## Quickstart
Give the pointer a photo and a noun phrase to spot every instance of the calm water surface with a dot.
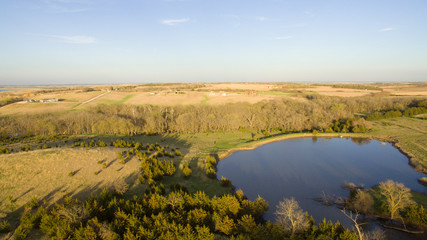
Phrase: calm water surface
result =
(5, 90)
(306, 167)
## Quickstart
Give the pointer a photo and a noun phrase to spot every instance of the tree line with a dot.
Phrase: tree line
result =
(313, 112)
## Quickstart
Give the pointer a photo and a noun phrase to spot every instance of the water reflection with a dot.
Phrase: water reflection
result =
(304, 168)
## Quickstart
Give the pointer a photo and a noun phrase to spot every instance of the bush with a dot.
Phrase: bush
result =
(32, 220)
(211, 160)
(178, 188)
(32, 204)
(4, 226)
(416, 214)
(186, 171)
(21, 232)
(211, 172)
(266, 133)
(178, 153)
(225, 182)
(120, 187)
(71, 173)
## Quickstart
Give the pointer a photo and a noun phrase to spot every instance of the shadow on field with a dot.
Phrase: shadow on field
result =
(83, 192)
(23, 194)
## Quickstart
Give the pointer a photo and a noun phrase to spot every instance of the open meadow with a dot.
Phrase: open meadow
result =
(48, 154)
(75, 97)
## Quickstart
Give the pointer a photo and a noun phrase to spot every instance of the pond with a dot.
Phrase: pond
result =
(5, 90)
(304, 168)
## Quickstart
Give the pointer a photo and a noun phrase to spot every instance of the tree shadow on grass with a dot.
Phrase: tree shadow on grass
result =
(23, 194)
(49, 200)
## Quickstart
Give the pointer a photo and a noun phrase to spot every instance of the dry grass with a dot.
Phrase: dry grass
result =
(45, 173)
(339, 92)
(37, 107)
(407, 89)
(212, 94)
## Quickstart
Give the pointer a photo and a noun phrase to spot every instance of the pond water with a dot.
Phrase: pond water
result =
(5, 90)
(304, 168)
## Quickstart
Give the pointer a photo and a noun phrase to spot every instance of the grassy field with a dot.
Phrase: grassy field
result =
(409, 135)
(46, 173)
(185, 94)
(121, 101)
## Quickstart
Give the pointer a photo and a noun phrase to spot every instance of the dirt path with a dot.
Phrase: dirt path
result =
(90, 100)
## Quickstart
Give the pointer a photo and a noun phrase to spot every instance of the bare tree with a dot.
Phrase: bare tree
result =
(397, 196)
(291, 216)
(354, 220)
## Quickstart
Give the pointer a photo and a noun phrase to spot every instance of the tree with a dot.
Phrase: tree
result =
(396, 195)
(291, 216)
(354, 220)
(363, 202)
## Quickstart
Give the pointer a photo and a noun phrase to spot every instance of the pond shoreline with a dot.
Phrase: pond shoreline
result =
(411, 158)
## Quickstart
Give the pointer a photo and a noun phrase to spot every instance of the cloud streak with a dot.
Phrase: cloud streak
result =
(74, 39)
(283, 37)
(173, 22)
(386, 29)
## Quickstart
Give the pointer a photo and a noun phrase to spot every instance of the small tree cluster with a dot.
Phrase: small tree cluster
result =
(211, 166)
(154, 169)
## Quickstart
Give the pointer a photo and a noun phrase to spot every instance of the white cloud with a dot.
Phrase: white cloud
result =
(386, 29)
(284, 37)
(261, 19)
(75, 39)
(173, 22)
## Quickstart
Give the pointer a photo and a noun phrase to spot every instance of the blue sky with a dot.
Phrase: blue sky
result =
(141, 41)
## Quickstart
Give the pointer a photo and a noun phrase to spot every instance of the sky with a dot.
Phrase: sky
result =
(156, 41)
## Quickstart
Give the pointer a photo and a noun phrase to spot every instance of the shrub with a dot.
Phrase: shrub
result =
(211, 172)
(178, 153)
(186, 171)
(33, 203)
(4, 226)
(211, 160)
(32, 220)
(225, 182)
(266, 133)
(21, 232)
(71, 173)
(178, 188)
(101, 143)
(120, 187)
(329, 130)
(416, 214)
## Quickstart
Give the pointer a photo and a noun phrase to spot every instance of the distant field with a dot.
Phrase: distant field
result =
(190, 94)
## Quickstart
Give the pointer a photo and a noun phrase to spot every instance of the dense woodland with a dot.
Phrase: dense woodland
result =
(313, 112)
